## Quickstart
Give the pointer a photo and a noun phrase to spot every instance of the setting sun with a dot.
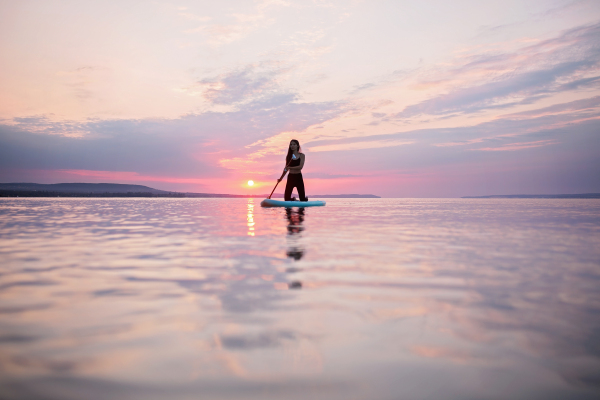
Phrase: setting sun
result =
(250, 183)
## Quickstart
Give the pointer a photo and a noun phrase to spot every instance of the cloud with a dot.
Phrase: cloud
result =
(349, 140)
(111, 147)
(577, 106)
(540, 127)
(243, 85)
(362, 144)
(363, 87)
(560, 9)
(186, 148)
(545, 132)
(531, 129)
(238, 26)
(520, 77)
(193, 17)
(321, 175)
(84, 81)
(42, 124)
(519, 146)
(528, 86)
(586, 82)
(112, 176)
(262, 340)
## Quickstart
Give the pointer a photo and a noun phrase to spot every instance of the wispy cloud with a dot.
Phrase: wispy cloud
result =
(358, 142)
(519, 146)
(501, 132)
(238, 25)
(242, 85)
(84, 82)
(362, 145)
(577, 106)
(112, 176)
(521, 77)
(322, 175)
(509, 90)
(42, 124)
(486, 79)
(183, 150)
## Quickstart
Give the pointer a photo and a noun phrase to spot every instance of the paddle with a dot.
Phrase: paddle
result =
(280, 179)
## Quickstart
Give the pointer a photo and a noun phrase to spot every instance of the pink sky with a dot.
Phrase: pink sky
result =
(393, 98)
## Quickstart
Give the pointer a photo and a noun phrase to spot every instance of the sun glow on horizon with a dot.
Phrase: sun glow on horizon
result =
(250, 183)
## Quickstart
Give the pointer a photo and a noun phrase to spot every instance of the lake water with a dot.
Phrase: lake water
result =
(361, 299)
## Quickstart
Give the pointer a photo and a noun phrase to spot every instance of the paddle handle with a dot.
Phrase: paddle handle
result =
(274, 189)
(279, 180)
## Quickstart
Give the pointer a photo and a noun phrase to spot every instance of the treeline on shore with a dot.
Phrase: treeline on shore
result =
(46, 193)
(539, 196)
(43, 193)
(25, 189)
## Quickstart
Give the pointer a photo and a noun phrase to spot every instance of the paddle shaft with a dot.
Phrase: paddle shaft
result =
(279, 180)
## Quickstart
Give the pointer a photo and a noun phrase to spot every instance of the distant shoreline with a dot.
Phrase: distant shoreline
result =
(123, 190)
(42, 193)
(538, 196)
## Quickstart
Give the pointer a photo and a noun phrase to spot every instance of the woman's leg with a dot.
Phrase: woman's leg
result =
(300, 186)
(289, 186)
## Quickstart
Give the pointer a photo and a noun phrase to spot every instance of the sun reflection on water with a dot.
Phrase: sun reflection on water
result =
(250, 217)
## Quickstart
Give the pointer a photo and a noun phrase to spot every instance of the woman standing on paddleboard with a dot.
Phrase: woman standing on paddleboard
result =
(294, 162)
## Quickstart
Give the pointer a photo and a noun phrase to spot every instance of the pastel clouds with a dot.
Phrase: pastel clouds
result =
(237, 26)
(361, 145)
(523, 76)
(193, 149)
(126, 176)
(519, 146)
(242, 85)
(202, 97)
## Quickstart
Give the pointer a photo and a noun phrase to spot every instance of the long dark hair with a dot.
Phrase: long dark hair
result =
(288, 158)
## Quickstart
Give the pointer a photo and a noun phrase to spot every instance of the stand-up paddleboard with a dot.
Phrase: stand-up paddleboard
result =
(282, 203)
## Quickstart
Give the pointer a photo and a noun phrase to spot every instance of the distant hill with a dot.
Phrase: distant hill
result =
(122, 190)
(538, 196)
(345, 196)
(80, 188)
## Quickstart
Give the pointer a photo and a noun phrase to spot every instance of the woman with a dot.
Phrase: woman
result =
(294, 162)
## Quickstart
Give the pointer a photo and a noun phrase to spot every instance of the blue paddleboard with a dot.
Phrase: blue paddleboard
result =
(282, 203)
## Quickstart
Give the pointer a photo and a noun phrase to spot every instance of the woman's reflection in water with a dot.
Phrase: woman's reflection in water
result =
(295, 251)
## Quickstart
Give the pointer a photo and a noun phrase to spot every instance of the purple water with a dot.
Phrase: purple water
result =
(361, 299)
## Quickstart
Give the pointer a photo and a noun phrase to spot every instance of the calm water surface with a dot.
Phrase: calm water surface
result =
(361, 299)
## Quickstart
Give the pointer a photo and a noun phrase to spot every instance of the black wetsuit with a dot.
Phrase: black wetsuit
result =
(295, 181)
